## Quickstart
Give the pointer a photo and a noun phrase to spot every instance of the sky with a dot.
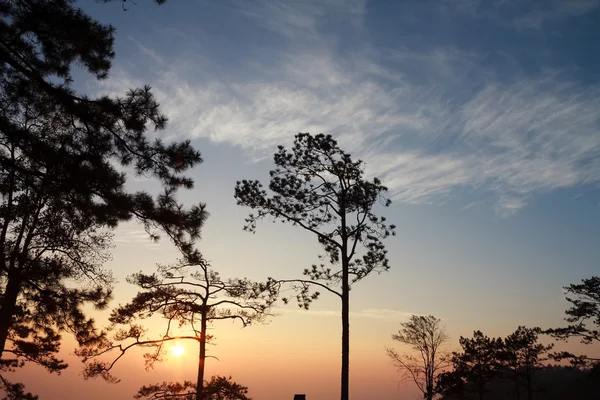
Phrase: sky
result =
(481, 117)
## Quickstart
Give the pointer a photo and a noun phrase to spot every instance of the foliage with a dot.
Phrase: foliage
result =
(585, 308)
(557, 382)
(15, 391)
(523, 355)
(484, 360)
(219, 388)
(50, 268)
(474, 367)
(75, 141)
(318, 187)
(425, 336)
(584, 311)
(187, 294)
(61, 183)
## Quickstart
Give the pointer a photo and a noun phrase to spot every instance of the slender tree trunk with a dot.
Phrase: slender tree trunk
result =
(345, 333)
(201, 359)
(7, 308)
(518, 388)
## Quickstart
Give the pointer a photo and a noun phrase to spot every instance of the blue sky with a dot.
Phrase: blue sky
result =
(482, 118)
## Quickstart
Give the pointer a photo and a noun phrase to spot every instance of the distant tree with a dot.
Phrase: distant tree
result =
(318, 187)
(188, 293)
(474, 367)
(425, 336)
(522, 355)
(219, 388)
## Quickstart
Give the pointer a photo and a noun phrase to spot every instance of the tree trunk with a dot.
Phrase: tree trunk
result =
(517, 386)
(201, 359)
(345, 334)
(7, 308)
(429, 393)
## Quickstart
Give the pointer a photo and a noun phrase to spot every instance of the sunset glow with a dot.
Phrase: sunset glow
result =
(177, 350)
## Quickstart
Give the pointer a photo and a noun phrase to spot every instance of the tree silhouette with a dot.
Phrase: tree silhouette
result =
(474, 367)
(187, 294)
(522, 355)
(584, 320)
(50, 267)
(425, 336)
(60, 153)
(219, 388)
(585, 308)
(318, 187)
(75, 141)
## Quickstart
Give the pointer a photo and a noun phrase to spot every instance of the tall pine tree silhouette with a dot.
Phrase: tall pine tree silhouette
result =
(60, 181)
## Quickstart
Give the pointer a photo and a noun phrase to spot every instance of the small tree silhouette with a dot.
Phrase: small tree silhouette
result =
(425, 336)
(188, 293)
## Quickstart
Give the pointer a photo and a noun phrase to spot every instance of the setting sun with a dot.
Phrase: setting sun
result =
(177, 350)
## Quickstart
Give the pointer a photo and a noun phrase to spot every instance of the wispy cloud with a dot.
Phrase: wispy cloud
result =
(147, 51)
(428, 122)
(290, 18)
(134, 235)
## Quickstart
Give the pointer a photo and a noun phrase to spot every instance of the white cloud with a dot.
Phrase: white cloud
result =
(428, 123)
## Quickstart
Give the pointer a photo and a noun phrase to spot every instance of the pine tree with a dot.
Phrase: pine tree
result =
(318, 187)
(60, 179)
(523, 355)
(51, 261)
(473, 368)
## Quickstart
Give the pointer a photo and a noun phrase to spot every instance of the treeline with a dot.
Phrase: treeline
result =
(517, 367)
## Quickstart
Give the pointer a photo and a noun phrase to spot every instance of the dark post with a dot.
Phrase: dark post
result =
(299, 397)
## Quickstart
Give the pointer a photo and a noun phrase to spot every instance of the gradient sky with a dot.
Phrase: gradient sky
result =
(482, 118)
